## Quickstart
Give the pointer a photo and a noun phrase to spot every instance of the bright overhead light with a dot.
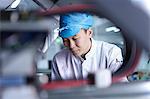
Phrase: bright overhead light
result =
(15, 4)
(112, 29)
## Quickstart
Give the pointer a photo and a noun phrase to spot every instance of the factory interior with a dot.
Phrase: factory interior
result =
(29, 40)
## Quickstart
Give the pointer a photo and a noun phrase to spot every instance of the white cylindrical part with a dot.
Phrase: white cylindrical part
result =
(103, 78)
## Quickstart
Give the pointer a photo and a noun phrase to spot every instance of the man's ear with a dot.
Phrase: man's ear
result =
(90, 32)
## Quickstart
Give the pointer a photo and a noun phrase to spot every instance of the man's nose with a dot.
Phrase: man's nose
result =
(71, 44)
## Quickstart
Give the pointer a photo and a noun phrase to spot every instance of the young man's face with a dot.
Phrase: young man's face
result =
(80, 43)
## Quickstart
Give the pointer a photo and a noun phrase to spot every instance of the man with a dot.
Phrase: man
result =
(83, 54)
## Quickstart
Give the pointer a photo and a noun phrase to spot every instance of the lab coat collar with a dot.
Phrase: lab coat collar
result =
(92, 50)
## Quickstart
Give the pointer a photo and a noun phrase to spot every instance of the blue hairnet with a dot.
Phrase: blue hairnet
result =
(71, 23)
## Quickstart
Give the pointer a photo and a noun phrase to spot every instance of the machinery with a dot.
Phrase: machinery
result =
(30, 40)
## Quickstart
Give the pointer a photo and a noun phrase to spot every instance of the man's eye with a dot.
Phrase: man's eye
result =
(65, 40)
(75, 38)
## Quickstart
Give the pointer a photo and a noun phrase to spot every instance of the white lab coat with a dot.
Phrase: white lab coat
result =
(101, 55)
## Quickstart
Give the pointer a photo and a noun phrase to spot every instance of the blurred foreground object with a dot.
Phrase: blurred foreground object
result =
(103, 78)
(19, 44)
(22, 92)
(132, 16)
